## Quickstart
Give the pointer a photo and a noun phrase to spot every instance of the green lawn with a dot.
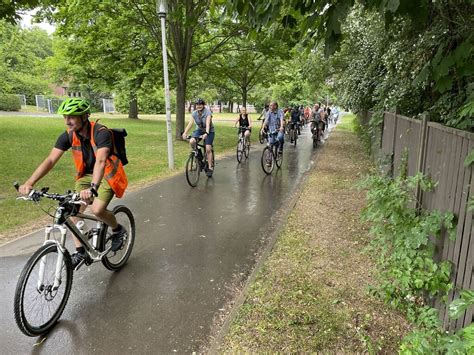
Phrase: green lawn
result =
(26, 141)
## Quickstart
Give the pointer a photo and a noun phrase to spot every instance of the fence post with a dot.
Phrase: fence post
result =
(394, 141)
(103, 105)
(421, 158)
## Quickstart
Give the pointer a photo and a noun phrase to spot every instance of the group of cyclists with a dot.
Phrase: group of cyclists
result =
(275, 120)
(100, 173)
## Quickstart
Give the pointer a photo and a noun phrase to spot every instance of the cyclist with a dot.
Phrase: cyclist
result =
(307, 113)
(94, 159)
(295, 120)
(263, 113)
(202, 117)
(245, 123)
(274, 122)
(317, 124)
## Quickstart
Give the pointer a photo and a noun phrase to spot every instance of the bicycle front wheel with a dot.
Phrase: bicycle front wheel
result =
(247, 148)
(278, 156)
(260, 137)
(240, 150)
(116, 260)
(43, 290)
(192, 170)
(267, 161)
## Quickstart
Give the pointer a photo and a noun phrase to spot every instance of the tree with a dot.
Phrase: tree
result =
(195, 34)
(22, 56)
(10, 10)
(101, 48)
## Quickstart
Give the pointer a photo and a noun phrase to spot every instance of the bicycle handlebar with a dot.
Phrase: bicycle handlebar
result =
(35, 195)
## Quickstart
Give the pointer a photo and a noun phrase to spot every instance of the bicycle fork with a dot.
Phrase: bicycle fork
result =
(59, 260)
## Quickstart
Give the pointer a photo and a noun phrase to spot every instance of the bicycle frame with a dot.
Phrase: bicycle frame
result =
(94, 254)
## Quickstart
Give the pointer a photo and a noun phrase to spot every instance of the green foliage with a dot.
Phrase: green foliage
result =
(150, 100)
(457, 307)
(416, 68)
(401, 241)
(469, 159)
(10, 9)
(430, 339)
(9, 103)
(23, 53)
(408, 274)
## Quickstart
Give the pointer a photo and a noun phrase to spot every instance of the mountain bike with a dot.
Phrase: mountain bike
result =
(197, 162)
(316, 133)
(243, 145)
(271, 155)
(45, 282)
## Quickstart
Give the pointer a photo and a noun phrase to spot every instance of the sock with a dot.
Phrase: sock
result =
(81, 250)
(117, 228)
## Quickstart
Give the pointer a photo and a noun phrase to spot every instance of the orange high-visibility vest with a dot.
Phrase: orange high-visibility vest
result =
(114, 173)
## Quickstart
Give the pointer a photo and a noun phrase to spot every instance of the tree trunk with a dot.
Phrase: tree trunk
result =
(231, 106)
(244, 97)
(180, 106)
(133, 108)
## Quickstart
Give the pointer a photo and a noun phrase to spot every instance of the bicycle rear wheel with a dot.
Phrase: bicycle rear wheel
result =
(267, 160)
(38, 302)
(261, 138)
(116, 260)
(295, 137)
(192, 170)
(240, 150)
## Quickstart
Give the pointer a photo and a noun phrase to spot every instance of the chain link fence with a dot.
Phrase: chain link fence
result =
(108, 105)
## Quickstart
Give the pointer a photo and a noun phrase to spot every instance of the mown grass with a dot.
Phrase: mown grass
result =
(26, 141)
(348, 123)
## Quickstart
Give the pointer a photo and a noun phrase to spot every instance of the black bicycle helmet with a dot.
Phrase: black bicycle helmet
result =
(199, 101)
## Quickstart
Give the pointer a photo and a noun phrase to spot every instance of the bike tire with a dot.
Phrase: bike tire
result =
(260, 137)
(295, 138)
(240, 150)
(128, 222)
(21, 319)
(247, 150)
(267, 160)
(192, 170)
(278, 157)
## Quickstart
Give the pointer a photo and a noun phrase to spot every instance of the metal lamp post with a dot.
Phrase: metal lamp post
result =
(161, 10)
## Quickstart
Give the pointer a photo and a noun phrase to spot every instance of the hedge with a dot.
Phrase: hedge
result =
(9, 103)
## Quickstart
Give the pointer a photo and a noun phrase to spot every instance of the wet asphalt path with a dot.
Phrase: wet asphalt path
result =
(193, 247)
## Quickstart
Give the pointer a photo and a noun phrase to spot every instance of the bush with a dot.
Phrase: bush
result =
(9, 103)
(150, 101)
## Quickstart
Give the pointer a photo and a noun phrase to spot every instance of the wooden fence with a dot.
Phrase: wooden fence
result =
(438, 152)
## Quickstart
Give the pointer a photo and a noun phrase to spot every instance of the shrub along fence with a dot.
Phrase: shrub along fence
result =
(9, 102)
(438, 152)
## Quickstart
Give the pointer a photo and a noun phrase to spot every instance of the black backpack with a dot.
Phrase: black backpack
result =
(118, 141)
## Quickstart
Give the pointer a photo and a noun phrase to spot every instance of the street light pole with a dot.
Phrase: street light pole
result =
(161, 9)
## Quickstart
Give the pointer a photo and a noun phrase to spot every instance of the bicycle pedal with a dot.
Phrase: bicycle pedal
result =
(78, 266)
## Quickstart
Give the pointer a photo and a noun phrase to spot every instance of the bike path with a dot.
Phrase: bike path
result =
(194, 247)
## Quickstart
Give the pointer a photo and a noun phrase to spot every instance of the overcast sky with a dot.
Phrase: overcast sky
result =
(26, 22)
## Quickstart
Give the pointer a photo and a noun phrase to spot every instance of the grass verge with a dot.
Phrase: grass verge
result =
(311, 294)
(26, 141)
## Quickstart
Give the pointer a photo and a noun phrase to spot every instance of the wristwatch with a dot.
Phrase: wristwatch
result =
(94, 188)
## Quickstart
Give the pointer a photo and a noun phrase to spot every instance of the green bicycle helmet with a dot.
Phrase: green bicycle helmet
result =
(74, 106)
